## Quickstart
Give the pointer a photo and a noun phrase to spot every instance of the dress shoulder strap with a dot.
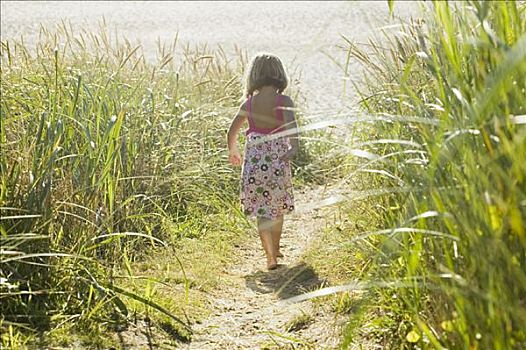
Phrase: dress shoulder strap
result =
(249, 112)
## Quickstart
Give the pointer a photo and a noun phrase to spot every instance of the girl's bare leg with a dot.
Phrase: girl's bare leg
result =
(265, 233)
(277, 228)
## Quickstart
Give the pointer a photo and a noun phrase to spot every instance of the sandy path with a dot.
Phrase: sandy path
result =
(246, 310)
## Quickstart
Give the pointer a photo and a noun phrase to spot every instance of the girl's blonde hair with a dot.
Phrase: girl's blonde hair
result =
(265, 69)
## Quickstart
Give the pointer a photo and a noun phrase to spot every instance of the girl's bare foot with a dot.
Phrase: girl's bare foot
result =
(272, 264)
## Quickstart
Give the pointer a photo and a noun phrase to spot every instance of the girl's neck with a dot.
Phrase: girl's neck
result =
(268, 90)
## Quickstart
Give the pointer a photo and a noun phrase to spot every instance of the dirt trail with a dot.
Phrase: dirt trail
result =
(247, 313)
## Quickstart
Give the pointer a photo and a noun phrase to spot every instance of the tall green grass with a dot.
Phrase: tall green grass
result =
(453, 242)
(106, 156)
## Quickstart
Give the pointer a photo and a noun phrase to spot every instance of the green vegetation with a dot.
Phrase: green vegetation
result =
(116, 197)
(112, 166)
(448, 253)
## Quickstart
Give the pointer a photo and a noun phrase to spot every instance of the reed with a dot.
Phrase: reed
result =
(452, 243)
(106, 157)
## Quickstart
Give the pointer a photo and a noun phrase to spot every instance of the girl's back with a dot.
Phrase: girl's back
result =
(263, 110)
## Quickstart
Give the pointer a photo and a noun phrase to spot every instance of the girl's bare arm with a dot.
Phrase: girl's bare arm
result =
(290, 124)
(233, 132)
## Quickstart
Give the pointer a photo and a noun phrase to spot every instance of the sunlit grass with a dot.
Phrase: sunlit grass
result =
(105, 158)
(457, 230)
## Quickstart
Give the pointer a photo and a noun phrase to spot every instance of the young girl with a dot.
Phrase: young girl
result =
(266, 185)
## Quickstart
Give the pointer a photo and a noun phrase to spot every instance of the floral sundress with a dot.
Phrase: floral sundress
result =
(266, 184)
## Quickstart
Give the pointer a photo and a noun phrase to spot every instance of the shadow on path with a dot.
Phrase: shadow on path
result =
(285, 281)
